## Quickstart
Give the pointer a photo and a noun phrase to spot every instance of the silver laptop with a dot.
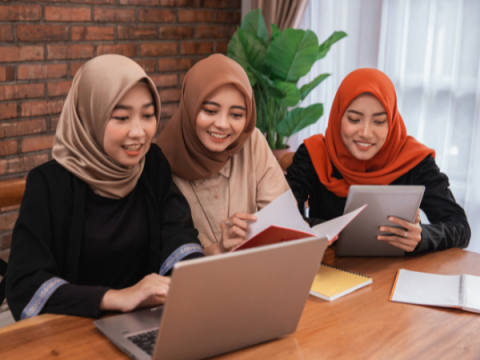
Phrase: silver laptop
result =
(359, 238)
(223, 303)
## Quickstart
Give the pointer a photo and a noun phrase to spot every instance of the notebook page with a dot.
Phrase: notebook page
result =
(333, 227)
(427, 289)
(471, 293)
(282, 211)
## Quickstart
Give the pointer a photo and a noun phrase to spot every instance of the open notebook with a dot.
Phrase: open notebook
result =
(281, 221)
(456, 291)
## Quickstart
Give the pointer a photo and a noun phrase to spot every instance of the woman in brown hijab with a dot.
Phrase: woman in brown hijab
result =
(220, 161)
(102, 223)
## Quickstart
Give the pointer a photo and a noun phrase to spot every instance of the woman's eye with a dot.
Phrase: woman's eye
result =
(237, 116)
(353, 120)
(380, 122)
(148, 116)
(208, 111)
(121, 118)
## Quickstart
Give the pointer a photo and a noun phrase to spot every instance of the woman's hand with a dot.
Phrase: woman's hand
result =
(150, 291)
(406, 240)
(234, 231)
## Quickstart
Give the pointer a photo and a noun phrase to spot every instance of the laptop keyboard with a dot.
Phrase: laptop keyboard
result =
(145, 341)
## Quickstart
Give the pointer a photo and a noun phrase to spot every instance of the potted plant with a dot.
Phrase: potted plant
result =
(274, 65)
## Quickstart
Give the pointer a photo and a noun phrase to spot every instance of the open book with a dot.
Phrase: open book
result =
(456, 291)
(281, 221)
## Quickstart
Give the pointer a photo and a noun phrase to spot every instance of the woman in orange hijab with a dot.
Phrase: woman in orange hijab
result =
(366, 143)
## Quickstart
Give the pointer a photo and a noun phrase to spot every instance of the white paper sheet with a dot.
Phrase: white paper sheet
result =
(283, 212)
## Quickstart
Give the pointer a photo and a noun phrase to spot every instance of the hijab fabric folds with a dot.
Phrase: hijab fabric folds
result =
(78, 146)
(187, 156)
(399, 154)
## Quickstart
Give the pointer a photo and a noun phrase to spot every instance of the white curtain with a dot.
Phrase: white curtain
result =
(431, 51)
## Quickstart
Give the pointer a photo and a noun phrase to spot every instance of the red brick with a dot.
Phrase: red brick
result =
(174, 64)
(54, 123)
(164, 80)
(221, 47)
(42, 32)
(121, 49)
(194, 16)
(147, 65)
(7, 221)
(139, 2)
(228, 17)
(44, 0)
(21, 91)
(156, 16)
(19, 165)
(8, 110)
(93, 32)
(55, 13)
(6, 73)
(44, 107)
(37, 143)
(178, 3)
(20, 128)
(203, 47)
(218, 4)
(8, 147)
(75, 67)
(20, 12)
(212, 31)
(6, 33)
(182, 76)
(98, 2)
(21, 53)
(58, 88)
(137, 32)
(237, 4)
(176, 32)
(63, 52)
(114, 15)
(170, 95)
(158, 49)
(168, 110)
(6, 242)
(47, 71)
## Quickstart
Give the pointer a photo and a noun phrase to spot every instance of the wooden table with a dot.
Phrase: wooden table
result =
(361, 325)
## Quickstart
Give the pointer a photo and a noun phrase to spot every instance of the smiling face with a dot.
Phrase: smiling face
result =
(221, 118)
(131, 127)
(364, 127)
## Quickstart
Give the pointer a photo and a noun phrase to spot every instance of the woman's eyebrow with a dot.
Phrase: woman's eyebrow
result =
(148, 105)
(126, 107)
(211, 103)
(380, 113)
(237, 107)
(355, 112)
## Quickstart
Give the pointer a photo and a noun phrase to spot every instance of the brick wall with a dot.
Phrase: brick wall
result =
(43, 44)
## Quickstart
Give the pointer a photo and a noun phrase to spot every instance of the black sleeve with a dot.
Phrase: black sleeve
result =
(448, 223)
(34, 283)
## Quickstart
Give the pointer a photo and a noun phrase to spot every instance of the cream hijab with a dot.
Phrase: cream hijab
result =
(188, 157)
(78, 146)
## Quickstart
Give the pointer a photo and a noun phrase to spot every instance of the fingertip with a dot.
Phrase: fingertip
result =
(253, 217)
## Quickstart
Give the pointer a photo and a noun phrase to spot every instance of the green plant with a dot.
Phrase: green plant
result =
(274, 65)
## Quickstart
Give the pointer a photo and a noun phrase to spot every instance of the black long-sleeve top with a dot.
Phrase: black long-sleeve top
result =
(448, 223)
(70, 246)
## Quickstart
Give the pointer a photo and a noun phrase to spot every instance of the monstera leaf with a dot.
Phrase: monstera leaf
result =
(292, 94)
(292, 53)
(275, 31)
(305, 89)
(298, 119)
(324, 48)
(255, 23)
(268, 85)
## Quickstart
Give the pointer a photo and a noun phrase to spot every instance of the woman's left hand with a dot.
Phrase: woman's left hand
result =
(406, 240)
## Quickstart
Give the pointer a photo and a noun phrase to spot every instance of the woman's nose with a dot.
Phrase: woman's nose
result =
(221, 121)
(136, 129)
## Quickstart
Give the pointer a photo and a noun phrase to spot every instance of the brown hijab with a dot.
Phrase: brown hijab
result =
(97, 87)
(186, 154)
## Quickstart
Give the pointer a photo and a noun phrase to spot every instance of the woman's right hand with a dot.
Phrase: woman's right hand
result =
(234, 231)
(150, 291)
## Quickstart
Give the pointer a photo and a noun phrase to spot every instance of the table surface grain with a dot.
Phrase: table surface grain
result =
(360, 325)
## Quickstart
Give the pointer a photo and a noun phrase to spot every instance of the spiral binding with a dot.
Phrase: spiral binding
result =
(347, 271)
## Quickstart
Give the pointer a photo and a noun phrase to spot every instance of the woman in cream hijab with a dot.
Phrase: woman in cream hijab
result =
(220, 161)
(102, 223)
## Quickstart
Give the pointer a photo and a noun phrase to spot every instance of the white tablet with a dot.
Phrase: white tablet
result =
(359, 238)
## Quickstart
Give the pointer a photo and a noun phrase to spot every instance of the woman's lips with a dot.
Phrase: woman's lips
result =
(132, 150)
(364, 146)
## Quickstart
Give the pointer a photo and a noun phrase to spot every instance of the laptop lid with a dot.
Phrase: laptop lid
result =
(359, 238)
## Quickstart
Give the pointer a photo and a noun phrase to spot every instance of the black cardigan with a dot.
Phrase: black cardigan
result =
(449, 226)
(47, 236)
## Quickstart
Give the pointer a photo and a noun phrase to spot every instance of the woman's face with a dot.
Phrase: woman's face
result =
(221, 118)
(364, 127)
(131, 127)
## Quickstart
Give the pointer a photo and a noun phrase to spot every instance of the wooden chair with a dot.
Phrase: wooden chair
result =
(11, 194)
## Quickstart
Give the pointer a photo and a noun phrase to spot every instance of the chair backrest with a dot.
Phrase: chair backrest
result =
(11, 192)
(286, 160)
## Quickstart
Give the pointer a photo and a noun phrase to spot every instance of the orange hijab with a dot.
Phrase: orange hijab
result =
(399, 154)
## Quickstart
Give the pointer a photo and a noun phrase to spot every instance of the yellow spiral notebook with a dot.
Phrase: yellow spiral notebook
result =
(330, 282)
